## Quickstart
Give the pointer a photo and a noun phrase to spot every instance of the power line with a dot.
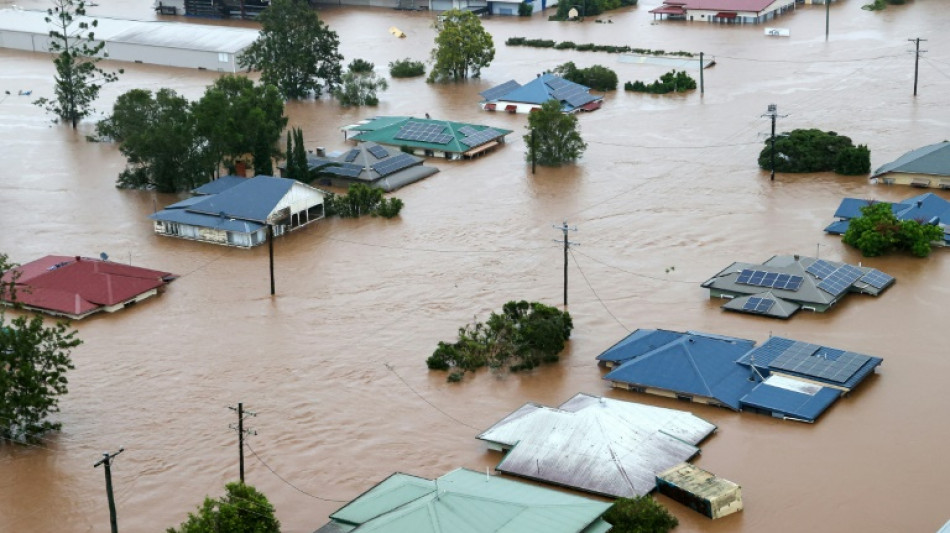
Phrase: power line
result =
(638, 274)
(291, 485)
(758, 60)
(583, 275)
(432, 405)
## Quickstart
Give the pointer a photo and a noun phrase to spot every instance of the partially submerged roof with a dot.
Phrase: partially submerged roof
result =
(927, 208)
(693, 365)
(697, 481)
(428, 134)
(793, 280)
(375, 165)
(79, 286)
(638, 343)
(547, 86)
(465, 501)
(791, 398)
(717, 5)
(932, 160)
(598, 445)
(821, 364)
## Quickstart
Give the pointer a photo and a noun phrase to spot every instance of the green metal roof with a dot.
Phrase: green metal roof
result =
(383, 130)
(465, 501)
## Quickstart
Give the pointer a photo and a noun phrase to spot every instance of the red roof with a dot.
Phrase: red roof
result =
(716, 5)
(77, 286)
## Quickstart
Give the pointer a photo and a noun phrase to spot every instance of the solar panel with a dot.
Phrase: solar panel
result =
(556, 83)
(810, 360)
(840, 280)
(821, 269)
(481, 137)
(348, 170)
(378, 151)
(762, 278)
(423, 132)
(467, 130)
(351, 155)
(500, 90)
(394, 164)
(877, 279)
(758, 305)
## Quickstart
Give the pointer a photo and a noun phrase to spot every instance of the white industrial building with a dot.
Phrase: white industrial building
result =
(172, 44)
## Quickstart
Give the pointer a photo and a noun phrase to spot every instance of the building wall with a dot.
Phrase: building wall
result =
(915, 180)
(520, 108)
(172, 57)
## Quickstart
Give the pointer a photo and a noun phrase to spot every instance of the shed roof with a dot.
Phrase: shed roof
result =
(933, 160)
(598, 445)
(695, 365)
(78, 286)
(464, 501)
(374, 164)
(386, 130)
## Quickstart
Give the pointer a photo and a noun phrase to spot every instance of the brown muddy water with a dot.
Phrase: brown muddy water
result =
(667, 194)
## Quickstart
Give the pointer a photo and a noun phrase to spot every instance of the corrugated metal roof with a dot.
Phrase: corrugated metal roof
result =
(598, 445)
(775, 394)
(383, 130)
(545, 87)
(779, 309)
(218, 222)
(724, 5)
(926, 208)
(638, 343)
(464, 501)
(933, 160)
(219, 185)
(252, 200)
(765, 355)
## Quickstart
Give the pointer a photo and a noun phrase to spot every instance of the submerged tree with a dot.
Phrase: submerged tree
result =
(553, 139)
(243, 509)
(34, 359)
(360, 85)
(463, 47)
(297, 167)
(296, 52)
(813, 150)
(78, 78)
(878, 232)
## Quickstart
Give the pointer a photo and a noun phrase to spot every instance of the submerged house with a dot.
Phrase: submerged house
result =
(598, 445)
(700, 490)
(370, 164)
(724, 11)
(429, 137)
(235, 211)
(783, 378)
(466, 501)
(924, 167)
(76, 287)
(513, 97)
(784, 284)
(927, 208)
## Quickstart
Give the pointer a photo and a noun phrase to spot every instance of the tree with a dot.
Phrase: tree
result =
(597, 77)
(853, 161)
(813, 150)
(34, 360)
(641, 514)
(158, 136)
(878, 232)
(406, 68)
(554, 138)
(296, 52)
(360, 84)
(78, 79)
(237, 119)
(360, 200)
(672, 81)
(242, 510)
(297, 166)
(463, 47)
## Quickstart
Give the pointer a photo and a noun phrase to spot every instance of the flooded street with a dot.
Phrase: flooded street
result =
(667, 194)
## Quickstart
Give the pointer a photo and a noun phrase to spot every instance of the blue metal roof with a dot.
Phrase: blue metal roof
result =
(186, 203)
(638, 343)
(219, 185)
(839, 227)
(693, 365)
(766, 354)
(543, 88)
(927, 208)
(791, 403)
(183, 216)
(253, 199)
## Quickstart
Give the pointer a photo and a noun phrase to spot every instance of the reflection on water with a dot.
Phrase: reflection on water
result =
(667, 194)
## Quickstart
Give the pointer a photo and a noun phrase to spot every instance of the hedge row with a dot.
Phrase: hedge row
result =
(590, 47)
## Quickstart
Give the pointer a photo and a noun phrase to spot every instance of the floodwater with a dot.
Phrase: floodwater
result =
(667, 194)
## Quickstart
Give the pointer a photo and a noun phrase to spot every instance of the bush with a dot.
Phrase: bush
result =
(597, 77)
(525, 9)
(672, 81)
(813, 150)
(878, 232)
(360, 66)
(564, 45)
(853, 161)
(641, 514)
(406, 68)
(361, 200)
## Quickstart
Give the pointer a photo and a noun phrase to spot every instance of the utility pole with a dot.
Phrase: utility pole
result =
(107, 462)
(270, 247)
(241, 432)
(567, 244)
(702, 66)
(534, 148)
(773, 114)
(917, 53)
(827, 17)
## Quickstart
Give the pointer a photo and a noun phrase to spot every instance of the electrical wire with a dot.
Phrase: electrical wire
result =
(591, 287)
(291, 485)
(421, 397)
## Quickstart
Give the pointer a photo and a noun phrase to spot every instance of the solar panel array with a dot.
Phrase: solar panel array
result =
(351, 155)
(821, 269)
(378, 151)
(348, 170)
(481, 137)
(761, 278)
(758, 305)
(423, 132)
(467, 130)
(572, 93)
(805, 359)
(394, 164)
(556, 83)
(877, 279)
(496, 92)
(838, 281)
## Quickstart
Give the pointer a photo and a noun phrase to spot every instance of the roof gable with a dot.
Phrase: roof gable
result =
(933, 159)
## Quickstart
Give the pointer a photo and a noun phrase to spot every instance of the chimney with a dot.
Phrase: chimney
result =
(240, 168)
(321, 151)
(796, 257)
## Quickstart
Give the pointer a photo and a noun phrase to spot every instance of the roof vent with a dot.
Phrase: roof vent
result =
(796, 257)
(920, 203)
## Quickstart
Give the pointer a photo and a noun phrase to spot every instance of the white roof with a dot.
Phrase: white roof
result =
(160, 34)
(599, 445)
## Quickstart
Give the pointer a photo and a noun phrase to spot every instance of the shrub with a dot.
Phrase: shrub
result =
(525, 9)
(360, 200)
(406, 68)
(564, 45)
(853, 160)
(813, 150)
(878, 232)
(597, 77)
(360, 66)
(641, 514)
(672, 81)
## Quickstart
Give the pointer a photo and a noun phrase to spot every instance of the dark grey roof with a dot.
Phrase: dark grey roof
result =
(932, 160)
(223, 223)
(779, 308)
(366, 163)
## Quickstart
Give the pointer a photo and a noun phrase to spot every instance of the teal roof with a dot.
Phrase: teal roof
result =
(385, 130)
(465, 501)
(933, 159)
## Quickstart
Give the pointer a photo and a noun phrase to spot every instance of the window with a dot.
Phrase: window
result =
(224, 57)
